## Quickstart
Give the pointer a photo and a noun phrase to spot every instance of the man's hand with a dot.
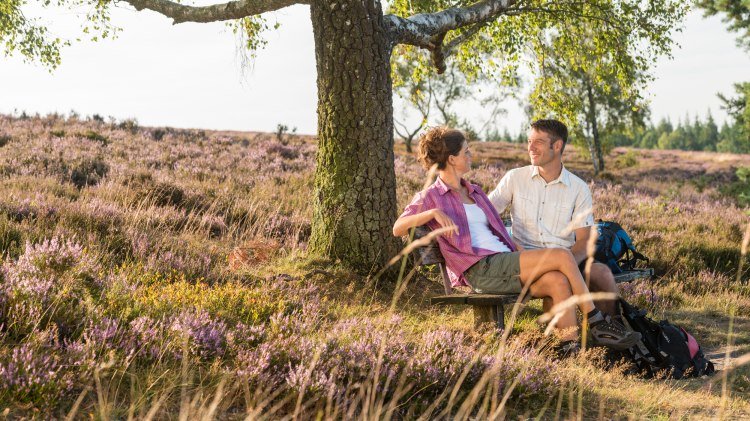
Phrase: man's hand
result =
(446, 222)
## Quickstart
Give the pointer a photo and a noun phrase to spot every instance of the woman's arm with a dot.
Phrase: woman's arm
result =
(402, 225)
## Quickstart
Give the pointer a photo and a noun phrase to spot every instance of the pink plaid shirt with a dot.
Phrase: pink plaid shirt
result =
(458, 253)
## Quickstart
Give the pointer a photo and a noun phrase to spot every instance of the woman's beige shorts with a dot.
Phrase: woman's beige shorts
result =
(496, 274)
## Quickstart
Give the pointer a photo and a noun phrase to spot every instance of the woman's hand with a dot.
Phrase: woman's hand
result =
(445, 222)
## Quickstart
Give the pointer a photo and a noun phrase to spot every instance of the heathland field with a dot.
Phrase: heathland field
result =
(159, 273)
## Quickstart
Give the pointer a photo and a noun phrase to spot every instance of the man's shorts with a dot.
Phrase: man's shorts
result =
(497, 273)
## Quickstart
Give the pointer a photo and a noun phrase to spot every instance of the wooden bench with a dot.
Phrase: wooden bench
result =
(488, 308)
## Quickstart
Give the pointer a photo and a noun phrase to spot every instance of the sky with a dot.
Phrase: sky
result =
(191, 75)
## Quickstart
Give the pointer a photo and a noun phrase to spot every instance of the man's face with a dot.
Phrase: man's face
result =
(542, 149)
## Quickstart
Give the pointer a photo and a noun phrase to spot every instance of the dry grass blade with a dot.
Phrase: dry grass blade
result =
(155, 407)
(211, 412)
(74, 409)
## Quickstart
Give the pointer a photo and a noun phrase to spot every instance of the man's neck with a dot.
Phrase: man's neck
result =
(551, 171)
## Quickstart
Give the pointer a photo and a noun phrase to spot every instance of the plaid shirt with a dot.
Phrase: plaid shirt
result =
(458, 253)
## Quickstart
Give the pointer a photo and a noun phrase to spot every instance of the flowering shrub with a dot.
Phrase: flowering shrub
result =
(51, 283)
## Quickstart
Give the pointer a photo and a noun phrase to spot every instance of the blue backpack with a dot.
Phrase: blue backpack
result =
(615, 248)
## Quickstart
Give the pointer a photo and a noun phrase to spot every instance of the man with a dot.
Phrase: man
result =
(551, 207)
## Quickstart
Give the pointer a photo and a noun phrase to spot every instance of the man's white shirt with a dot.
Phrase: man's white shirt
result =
(544, 214)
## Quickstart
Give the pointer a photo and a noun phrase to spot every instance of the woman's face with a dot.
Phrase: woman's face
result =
(461, 163)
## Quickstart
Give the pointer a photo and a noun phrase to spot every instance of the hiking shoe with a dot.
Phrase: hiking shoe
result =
(612, 334)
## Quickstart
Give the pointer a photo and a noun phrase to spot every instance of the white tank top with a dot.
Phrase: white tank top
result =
(479, 229)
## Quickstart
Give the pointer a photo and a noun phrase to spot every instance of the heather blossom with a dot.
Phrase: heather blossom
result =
(207, 336)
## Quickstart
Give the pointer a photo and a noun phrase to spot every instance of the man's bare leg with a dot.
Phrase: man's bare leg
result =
(602, 280)
(535, 263)
(555, 288)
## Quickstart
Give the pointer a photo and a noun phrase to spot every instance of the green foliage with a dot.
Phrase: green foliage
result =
(739, 108)
(740, 189)
(34, 42)
(92, 135)
(614, 43)
(249, 31)
(734, 12)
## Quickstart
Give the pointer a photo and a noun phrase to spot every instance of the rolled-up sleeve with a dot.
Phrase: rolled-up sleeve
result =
(419, 203)
(583, 214)
(502, 195)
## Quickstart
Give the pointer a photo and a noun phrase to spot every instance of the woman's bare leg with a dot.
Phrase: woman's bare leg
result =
(536, 263)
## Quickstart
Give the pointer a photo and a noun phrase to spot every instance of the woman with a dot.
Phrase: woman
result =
(479, 252)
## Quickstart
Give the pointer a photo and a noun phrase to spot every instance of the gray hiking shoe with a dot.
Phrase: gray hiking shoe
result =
(612, 334)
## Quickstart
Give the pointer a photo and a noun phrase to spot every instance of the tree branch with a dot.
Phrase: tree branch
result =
(427, 30)
(238, 9)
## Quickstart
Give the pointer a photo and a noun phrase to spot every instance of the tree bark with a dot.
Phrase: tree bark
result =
(355, 190)
(596, 147)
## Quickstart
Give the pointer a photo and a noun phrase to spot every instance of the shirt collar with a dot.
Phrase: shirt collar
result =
(443, 188)
(563, 178)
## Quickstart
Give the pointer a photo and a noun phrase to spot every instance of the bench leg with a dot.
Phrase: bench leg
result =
(495, 315)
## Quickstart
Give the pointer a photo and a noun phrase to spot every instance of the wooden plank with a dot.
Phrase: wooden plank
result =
(429, 254)
(492, 315)
(474, 299)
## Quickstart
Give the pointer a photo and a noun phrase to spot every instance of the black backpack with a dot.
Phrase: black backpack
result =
(665, 350)
(615, 248)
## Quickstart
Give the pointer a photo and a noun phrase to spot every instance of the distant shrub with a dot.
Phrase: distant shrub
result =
(166, 194)
(626, 160)
(11, 238)
(4, 139)
(158, 134)
(88, 172)
(130, 125)
(92, 135)
(97, 118)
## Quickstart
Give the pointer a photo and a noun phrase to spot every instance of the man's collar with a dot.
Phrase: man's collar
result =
(563, 178)
(443, 188)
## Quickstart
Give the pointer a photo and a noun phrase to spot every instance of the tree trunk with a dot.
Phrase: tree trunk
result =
(355, 183)
(596, 146)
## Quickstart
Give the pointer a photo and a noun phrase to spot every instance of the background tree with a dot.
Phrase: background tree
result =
(355, 194)
(434, 97)
(417, 94)
(737, 14)
(584, 83)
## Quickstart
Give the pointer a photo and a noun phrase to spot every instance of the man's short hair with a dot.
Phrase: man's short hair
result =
(555, 128)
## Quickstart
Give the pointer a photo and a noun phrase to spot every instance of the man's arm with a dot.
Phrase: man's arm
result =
(583, 221)
(502, 195)
(579, 247)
